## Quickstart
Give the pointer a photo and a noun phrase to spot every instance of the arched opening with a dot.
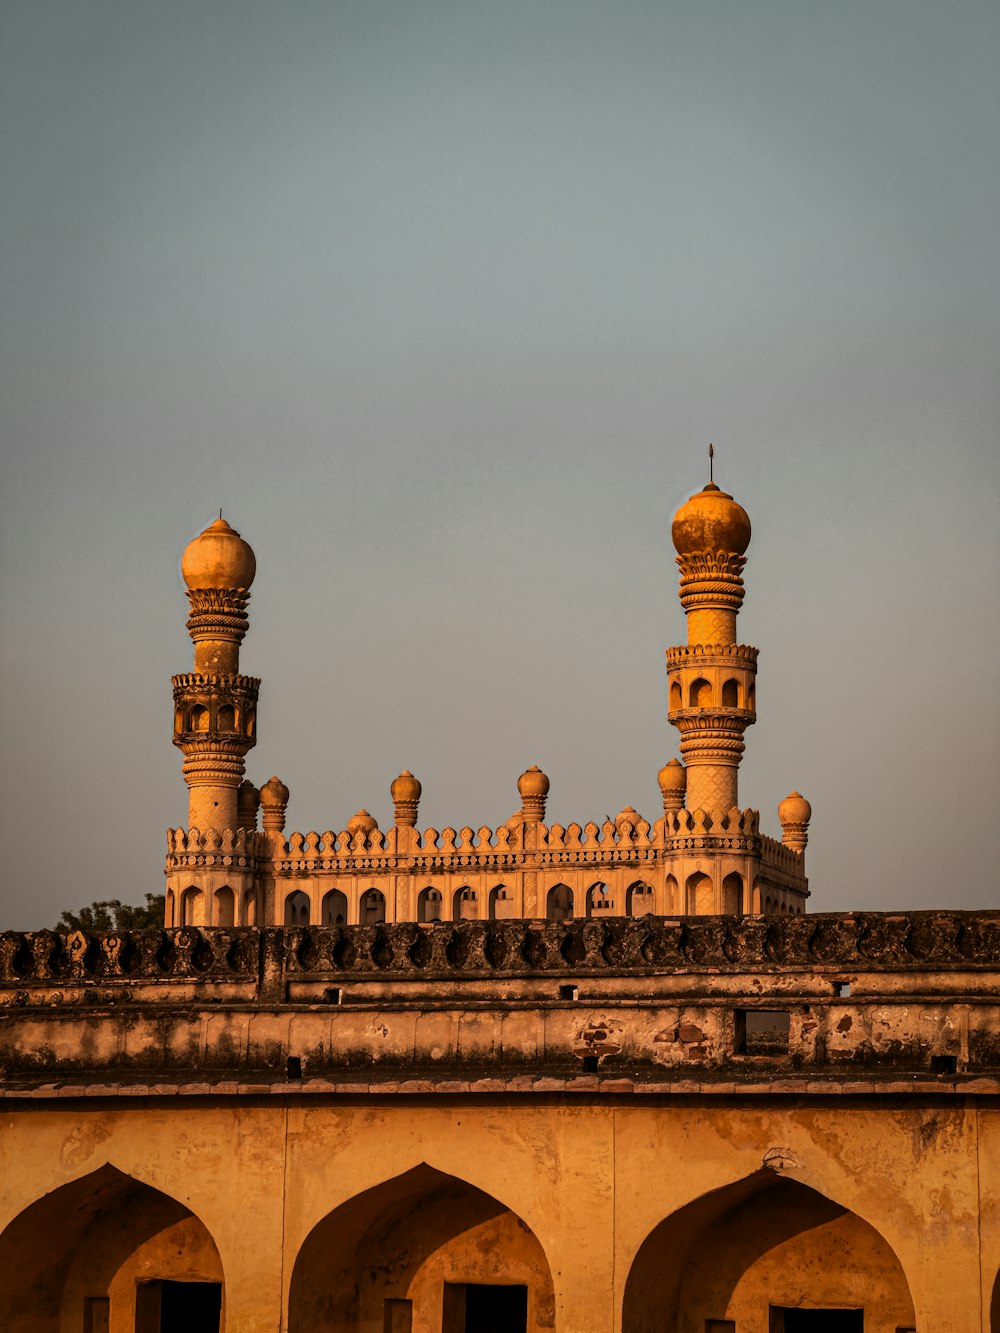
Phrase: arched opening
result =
(169, 907)
(89, 1253)
(430, 905)
(251, 722)
(676, 694)
(192, 907)
(671, 895)
(226, 718)
(333, 909)
(700, 895)
(732, 894)
(225, 906)
(599, 901)
(730, 694)
(639, 899)
(198, 719)
(419, 1246)
(752, 698)
(372, 908)
(559, 903)
(700, 694)
(249, 908)
(751, 1250)
(297, 909)
(464, 905)
(501, 903)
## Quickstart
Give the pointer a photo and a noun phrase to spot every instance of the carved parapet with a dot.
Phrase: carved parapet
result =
(782, 864)
(713, 654)
(215, 849)
(216, 707)
(694, 830)
(32, 963)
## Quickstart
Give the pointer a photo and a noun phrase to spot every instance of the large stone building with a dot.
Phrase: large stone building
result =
(657, 1098)
(703, 855)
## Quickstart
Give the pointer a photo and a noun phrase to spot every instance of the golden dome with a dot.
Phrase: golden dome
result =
(794, 809)
(711, 521)
(218, 558)
(533, 782)
(273, 792)
(362, 822)
(627, 816)
(405, 788)
(672, 777)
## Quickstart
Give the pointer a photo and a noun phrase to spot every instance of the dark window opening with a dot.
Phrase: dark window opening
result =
(178, 1307)
(842, 988)
(944, 1064)
(568, 992)
(478, 1307)
(96, 1314)
(332, 995)
(590, 1065)
(761, 1032)
(294, 1066)
(720, 1326)
(784, 1319)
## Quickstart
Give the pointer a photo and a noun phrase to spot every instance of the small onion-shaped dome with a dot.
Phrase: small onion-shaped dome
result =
(362, 822)
(533, 782)
(711, 521)
(218, 558)
(405, 787)
(794, 809)
(274, 792)
(672, 777)
(627, 816)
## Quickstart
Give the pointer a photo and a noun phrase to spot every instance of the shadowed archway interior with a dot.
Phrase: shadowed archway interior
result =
(753, 1248)
(404, 1253)
(80, 1254)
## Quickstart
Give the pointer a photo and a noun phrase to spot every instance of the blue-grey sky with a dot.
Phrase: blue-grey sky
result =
(442, 303)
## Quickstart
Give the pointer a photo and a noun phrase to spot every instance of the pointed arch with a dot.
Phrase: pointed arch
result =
(639, 899)
(297, 909)
(730, 694)
(559, 903)
(465, 905)
(763, 1240)
(225, 907)
(414, 1241)
(93, 1239)
(700, 694)
(192, 907)
(671, 895)
(699, 894)
(599, 900)
(249, 908)
(372, 907)
(430, 905)
(732, 894)
(501, 903)
(333, 908)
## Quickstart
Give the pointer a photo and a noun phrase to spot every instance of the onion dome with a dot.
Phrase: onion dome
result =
(405, 788)
(672, 777)
(533, 782)
(711, 521)
(362, 822)
(218, 558)
(274, 792)
(627, 816)
(794, 809)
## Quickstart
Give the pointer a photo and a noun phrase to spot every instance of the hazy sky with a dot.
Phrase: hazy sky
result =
(442, 303)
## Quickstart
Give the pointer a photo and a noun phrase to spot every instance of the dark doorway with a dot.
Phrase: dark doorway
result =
(787, 1320)
(478, 1307)
(178, 1307)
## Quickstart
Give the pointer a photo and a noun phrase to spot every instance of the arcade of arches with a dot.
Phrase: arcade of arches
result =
(480, 1215)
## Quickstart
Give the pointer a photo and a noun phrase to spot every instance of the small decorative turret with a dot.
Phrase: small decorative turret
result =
(362, 822)
(405, 792)
(672, 778)
(533, 787)
(247, 805)
(273, 802)
(215, 708)
(794, 812)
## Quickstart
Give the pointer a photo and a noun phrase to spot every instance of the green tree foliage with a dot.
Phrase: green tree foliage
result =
(115, 915)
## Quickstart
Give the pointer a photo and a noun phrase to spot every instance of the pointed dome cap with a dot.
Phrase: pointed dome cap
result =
(533, 782)
(794, 809)
(405, 788)
(672, 777)
(362, 822)
(711, 521)
(218, 558)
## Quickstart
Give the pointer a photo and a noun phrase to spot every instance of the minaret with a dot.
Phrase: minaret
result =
(215, 708)
(711, 680)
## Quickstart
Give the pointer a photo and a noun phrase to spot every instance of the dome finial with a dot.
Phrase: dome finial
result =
(711, 456)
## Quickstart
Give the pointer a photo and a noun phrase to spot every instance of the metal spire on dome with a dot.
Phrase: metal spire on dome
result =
(711, 455)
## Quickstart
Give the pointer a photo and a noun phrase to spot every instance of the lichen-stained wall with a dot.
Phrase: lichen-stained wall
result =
(577, 1187)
